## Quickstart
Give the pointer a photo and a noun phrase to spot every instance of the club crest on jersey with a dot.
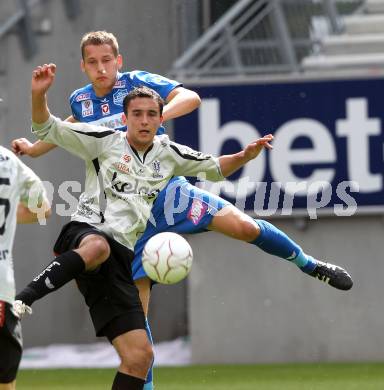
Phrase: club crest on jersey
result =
(105, 109)
(119, 96)
(197, 211)
(156, 168)
(119, 84)
(83, 96)
(126, 157)
(87, 108)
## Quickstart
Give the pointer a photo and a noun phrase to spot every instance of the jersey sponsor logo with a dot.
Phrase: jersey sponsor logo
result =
(112, 122)
(156, 168)
(121, 167)
(118, 97)
(105, 109)
(119, 84)
(117, 185)
(124, 190)
(48, 269)
(87, 108)
(197, 211)
(83, 96)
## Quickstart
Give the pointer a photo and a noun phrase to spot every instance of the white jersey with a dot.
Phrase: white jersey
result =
(18, 183)
(131, 180)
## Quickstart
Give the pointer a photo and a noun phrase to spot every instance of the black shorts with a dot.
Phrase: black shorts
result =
(11, 343)
(109, 292)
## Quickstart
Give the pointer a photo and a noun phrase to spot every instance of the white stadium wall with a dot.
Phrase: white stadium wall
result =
(248, 307)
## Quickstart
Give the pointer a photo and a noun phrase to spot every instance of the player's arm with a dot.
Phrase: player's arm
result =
(81, 139)
(232, 162)
(22, 146)
(42, 79)
(189, 162)
(180, 101)
(196, 164)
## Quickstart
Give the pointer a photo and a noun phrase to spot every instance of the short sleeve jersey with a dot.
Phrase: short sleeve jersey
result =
(18, 183)
(107, 110)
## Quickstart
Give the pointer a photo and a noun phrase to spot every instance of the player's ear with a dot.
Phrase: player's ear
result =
(82, 67)
(119, 61)
(161, 119)
(124, 118)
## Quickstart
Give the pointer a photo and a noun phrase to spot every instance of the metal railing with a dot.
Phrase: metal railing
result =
(262, 36)
(21, 22)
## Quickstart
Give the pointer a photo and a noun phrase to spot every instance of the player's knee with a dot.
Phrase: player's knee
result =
(101, 248)
(139, 359)
(94, 250)
(249, 231)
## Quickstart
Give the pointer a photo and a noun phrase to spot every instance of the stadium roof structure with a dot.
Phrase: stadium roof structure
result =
(256, 37)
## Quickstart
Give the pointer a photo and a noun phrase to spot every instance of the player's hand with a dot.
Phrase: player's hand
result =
(21, 146)
(252, 150)
(42, 78)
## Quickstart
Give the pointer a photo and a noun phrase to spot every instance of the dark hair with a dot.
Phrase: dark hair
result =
(143, 92)
(99, 38)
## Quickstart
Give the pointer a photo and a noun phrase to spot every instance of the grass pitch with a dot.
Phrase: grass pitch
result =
(354, 376)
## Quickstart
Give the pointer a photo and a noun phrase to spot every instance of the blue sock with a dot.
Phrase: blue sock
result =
(148, 385)
(277, 243)
(149, 382)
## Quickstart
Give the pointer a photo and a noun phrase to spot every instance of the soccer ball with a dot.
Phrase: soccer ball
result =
(167, 258)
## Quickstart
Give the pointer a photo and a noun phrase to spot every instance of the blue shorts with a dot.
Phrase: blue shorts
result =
(181, 208)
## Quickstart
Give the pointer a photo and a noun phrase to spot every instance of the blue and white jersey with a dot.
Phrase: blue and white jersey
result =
(108, 110)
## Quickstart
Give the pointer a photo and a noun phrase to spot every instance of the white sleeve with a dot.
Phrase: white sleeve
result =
(81, 139)
(32, 190)
(190, 162)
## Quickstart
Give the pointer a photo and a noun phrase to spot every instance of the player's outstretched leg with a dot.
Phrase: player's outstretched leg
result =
(59, 272)
(136, 354)
(93, 250)
(232, 222)
(272, 240)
